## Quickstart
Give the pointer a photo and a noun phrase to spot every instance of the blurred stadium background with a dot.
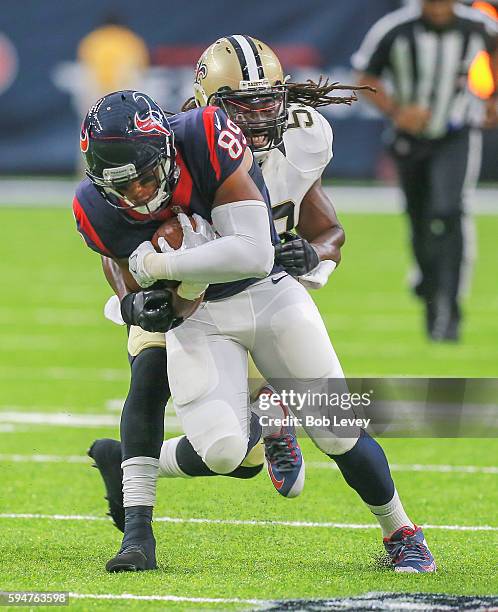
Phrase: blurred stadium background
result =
(63, 369)
(44, 90)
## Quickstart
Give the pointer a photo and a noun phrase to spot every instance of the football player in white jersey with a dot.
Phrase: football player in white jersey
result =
(290, 139)
(293, 145)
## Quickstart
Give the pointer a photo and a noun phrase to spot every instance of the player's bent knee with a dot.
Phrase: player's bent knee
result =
(226, 454)
(334, 445)
(139, 340)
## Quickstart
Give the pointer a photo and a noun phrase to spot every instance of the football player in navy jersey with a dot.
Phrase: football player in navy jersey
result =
(139, 167)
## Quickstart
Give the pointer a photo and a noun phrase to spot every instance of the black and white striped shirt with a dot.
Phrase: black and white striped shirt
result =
(428, 66)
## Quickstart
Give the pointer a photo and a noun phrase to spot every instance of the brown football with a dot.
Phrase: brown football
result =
(172, 232)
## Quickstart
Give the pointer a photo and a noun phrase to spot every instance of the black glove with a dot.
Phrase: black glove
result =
(296, 255)
(150, 309)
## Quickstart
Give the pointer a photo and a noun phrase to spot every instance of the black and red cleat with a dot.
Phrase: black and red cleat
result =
(283, 454)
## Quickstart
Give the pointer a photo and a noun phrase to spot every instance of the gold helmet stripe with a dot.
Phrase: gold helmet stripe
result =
(246, 58)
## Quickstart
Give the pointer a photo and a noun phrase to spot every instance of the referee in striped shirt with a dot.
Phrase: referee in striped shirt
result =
(427, 51)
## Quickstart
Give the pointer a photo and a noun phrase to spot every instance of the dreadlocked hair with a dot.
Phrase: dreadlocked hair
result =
(311, 94)
(318, 94)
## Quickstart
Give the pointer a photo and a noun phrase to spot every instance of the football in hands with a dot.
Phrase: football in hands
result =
(172, 232)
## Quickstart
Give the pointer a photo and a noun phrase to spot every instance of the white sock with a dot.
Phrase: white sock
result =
(391, 516)
(139, 481)
(168, 465)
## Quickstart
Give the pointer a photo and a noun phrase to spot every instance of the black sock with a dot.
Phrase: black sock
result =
(142, 420)
(190, 463)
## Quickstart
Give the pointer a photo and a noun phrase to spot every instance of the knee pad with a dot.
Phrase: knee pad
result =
(333, 445)
(139, 340)
(226, 454)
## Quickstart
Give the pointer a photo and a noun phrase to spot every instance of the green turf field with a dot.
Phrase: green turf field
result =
(60, 357)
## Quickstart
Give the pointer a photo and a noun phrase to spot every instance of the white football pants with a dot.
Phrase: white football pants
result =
(279, 324)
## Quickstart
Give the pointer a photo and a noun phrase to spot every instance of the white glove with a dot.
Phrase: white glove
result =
(191, 239)
(136, 264)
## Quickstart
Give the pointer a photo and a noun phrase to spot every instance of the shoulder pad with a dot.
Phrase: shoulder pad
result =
(308, 139)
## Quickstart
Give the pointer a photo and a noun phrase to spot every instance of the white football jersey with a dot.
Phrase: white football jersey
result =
(291, 170)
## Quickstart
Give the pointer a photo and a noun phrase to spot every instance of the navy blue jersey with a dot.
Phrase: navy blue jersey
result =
(209, 149)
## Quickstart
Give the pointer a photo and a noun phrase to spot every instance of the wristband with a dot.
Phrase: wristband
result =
(191, 291)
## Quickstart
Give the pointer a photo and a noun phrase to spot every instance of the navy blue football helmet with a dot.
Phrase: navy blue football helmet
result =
(129, 152)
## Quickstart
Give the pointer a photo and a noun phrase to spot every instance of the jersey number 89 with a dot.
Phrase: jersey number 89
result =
(228, 140)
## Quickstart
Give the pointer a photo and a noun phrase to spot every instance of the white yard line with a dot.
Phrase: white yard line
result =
(64, 373)
(368, 600)
(130, 596)
(395, 467)
(64, 419)
(418, 467)
(236, 522)
(44, 458)
(55, 517)
(69, 418)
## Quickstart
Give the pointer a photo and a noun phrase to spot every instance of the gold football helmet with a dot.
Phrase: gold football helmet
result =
(243, 76)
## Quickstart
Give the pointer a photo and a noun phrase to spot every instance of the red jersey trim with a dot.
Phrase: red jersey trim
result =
(183, 191)
(85, 228)
(209, 129)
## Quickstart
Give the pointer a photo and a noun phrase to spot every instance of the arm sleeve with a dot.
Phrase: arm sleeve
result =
(244, 249)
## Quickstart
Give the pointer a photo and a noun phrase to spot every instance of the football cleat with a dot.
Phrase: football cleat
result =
(107, 456)
(134, 558)
(284, 459)
(409, 552)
